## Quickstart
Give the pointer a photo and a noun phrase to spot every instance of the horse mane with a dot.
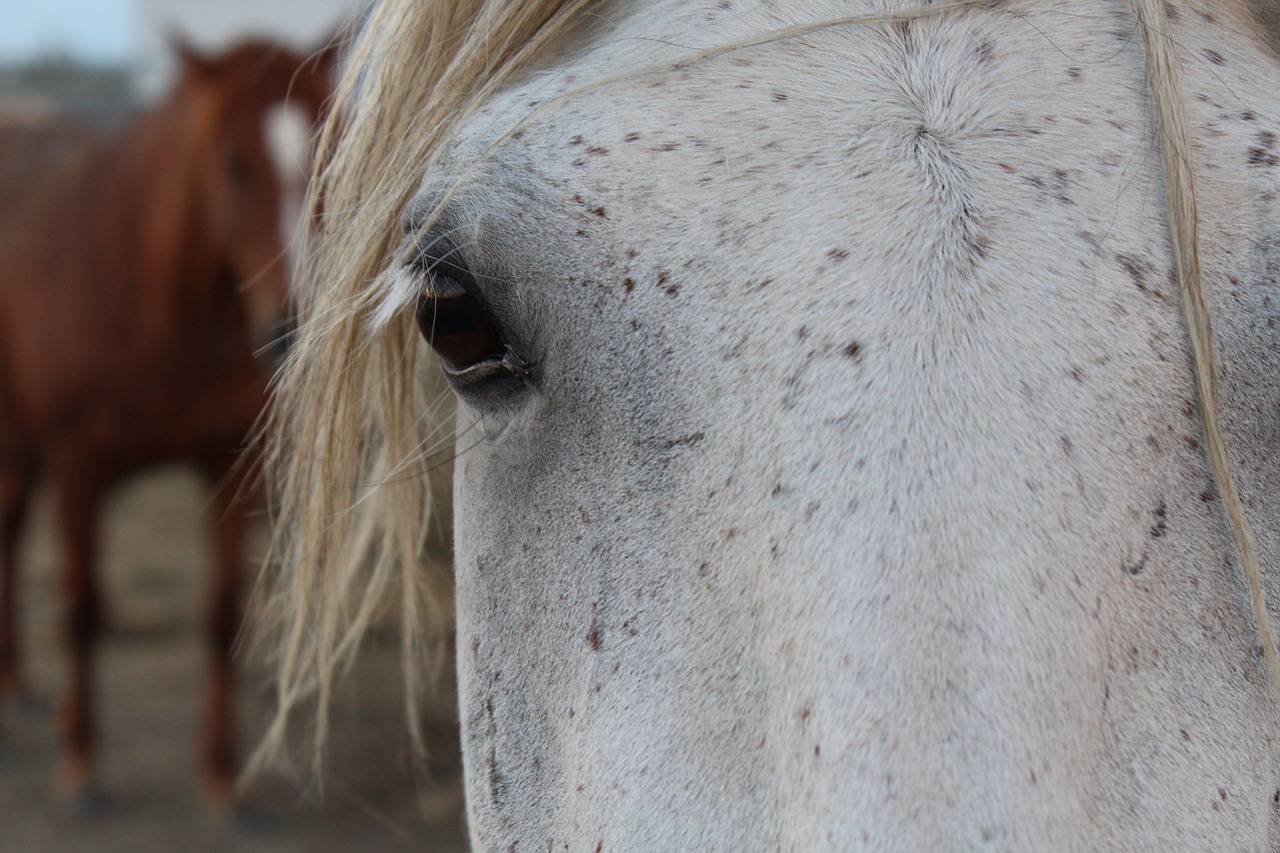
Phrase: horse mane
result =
(347, 441)
(167, 212)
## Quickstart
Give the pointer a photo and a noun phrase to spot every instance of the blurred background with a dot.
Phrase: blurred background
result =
(99, 63)
(100, 60)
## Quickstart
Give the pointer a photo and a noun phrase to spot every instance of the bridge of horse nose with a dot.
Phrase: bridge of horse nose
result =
(264, 291)
(286, 135)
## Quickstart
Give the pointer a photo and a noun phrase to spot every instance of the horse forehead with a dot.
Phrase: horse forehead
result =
(253, 80)
(599, 59)
(594, 77)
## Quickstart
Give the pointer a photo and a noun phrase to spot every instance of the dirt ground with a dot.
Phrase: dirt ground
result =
(151, 671)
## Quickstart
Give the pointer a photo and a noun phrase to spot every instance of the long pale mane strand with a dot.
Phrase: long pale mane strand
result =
(1165, 76)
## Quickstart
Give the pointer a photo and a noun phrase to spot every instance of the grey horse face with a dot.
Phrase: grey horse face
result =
(817, 403)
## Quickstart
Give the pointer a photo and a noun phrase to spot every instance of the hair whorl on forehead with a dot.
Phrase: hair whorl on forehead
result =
(356, 415)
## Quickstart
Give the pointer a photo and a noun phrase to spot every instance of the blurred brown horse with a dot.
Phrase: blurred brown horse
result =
(140, 276)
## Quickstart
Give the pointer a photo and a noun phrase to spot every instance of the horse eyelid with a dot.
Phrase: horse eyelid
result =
(440, 284)
(443, 274)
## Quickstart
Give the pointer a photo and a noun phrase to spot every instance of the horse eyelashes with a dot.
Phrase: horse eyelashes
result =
(457, 323)
(456, 326)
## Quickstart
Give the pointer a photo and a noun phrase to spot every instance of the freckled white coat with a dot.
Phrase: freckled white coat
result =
(859, 499)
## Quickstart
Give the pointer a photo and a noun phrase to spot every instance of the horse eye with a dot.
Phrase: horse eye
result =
(237, 168)
(456, 326)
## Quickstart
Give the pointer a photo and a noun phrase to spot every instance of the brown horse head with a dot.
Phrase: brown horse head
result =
(252, 110)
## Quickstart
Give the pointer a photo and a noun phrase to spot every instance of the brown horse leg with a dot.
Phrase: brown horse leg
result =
(15, 498)
(79, 502)
(230, 505)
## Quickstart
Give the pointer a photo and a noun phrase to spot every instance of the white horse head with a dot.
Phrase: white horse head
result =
(829, 472)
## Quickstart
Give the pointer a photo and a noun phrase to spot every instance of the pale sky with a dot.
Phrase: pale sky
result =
(132, 31)
(89, 30)
(214, 24)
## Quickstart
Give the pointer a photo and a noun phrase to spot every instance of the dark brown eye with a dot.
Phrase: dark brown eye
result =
(455, 325)
(237, 168)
